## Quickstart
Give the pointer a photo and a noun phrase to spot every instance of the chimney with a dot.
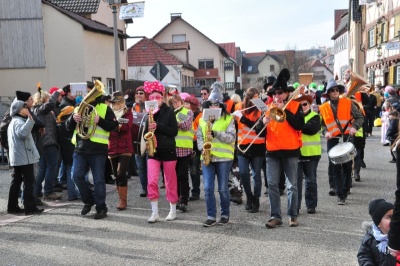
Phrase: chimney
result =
(175, 15)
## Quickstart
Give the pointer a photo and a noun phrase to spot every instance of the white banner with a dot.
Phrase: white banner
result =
(133, 10)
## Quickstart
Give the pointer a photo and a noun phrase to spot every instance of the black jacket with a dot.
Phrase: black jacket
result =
(368, 254)
(109, 123)
(166, 131)
(393, 129)
(66, 102)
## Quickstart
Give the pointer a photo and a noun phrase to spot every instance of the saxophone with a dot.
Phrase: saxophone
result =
(150, 137)
(207, 145)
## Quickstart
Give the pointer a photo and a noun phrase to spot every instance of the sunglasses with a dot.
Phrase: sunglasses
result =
(304, 104)
(155, 97)
(334, 90)
(277, 92)
(140, 92)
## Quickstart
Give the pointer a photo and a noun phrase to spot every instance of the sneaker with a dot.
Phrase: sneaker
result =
(34, 210)
(293, 222)
(171, 216)
(249, 205)
(392, 161)
(386, 144)
(341, 201)
(17, 210)
(100, 215)
(310, 210)
(153, 218)
(52, 196)
(332, 192)
(363, 165)
(209, 223)
(273, 223)
(143, 194)
(39, 202)
(86, 209)
(357, 178)
(223, 221)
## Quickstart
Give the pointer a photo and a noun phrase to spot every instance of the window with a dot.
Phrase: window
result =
(94, 78)
(111, 85)
(179, 38)
(206, 64)
(250, 68)
(272, 68)
(371, 38)
(228, 66)
(372, 76)
(121, 44)
(122, 74)
(398, 75)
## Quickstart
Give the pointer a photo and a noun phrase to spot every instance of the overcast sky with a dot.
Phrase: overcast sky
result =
(254, 25)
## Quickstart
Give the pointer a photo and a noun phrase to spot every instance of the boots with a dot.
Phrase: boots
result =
(357, 174)
(154, 212)
(249, 204)
(256, 206)
(172, 213)
(122, 193)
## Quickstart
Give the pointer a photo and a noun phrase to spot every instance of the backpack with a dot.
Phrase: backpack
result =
(3, 130)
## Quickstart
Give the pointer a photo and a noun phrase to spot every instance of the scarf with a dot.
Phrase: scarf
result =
(383, 239)
(119, 113)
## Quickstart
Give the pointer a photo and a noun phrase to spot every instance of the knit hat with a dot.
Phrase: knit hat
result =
(67, 89)
(378, 208)
(16, 107)
(295, 85)
(54, 89)
(192, 100)
(22, 96)
(216, 93)
(184, 95)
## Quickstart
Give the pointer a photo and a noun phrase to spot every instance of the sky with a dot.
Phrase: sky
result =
(254, 25)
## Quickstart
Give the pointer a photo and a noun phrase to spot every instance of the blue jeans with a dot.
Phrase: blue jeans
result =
(48, 169)
(141, 164)
(62, 174)
(273, 173)
(194, 166)
(73, 192)
(221, 169)
(96, 163)
(308, 169)
(244, 171)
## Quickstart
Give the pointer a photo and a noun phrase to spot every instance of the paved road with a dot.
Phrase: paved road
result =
(330, 237)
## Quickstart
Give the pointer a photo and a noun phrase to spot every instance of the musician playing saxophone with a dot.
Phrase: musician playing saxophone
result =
(165, 129)
(252, 148)
(283, 149)
(340, 118)
(222, 134)
(92, 153)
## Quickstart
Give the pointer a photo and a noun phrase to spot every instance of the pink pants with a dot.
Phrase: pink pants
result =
(170, 179)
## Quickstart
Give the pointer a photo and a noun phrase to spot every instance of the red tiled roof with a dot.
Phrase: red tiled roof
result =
(230, 48)
(254, 54)
(338, 17)
(147, 52)
(202, 74)
(175, 46)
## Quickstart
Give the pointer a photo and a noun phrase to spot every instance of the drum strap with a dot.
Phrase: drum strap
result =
(334, 111)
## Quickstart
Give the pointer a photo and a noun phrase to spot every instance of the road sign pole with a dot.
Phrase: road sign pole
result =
(158, 71)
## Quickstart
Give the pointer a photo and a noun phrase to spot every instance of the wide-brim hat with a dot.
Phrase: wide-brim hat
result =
(332, 84)
(303, 97)
(117, 97)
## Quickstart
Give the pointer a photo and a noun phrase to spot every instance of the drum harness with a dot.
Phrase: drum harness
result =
(342, 130)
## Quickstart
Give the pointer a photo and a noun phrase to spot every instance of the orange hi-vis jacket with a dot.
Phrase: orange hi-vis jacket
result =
(245, 135)
(229, 104)
(358, 97)
(281, 135)
(196, 122)
(343, 115)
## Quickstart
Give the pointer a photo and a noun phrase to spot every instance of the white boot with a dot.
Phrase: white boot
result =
(154, 212)
(172, 213)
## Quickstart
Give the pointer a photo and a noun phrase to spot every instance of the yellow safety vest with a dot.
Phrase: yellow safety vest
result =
(219, 149)
(311, 143)
(100, 135)
(184, 139)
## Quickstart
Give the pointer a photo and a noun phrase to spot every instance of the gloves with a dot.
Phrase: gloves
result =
(238, 114)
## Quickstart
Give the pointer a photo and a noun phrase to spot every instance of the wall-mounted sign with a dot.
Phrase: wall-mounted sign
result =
(392, 46)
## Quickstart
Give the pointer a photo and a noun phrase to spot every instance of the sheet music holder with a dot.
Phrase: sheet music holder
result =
(213, 113)
(150, 104)
(182, 118)
(259, 104)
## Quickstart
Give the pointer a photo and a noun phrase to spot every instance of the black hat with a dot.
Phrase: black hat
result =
(117, 96)
(90, 84)
(67, 89)
(378, 208)
(22, 96)
(281, 81)
(270, 80)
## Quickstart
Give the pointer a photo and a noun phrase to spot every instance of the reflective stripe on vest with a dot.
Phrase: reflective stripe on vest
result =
(343, 115)
(184, 139)
(245, 135)
(311, 143)
(100, 135)
(219, 149)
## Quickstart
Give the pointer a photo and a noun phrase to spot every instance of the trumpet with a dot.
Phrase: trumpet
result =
(278, 114)
(207, 145)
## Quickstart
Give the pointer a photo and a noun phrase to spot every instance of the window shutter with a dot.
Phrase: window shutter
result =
(391, 75)
(396, 25)
(377, 34)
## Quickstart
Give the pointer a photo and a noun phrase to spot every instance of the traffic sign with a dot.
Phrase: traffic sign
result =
(159, 71)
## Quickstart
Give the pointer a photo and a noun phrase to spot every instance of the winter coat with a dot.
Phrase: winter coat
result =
(67, 102)
(45, 112)
(22, 149)
(64, 139)
(368, 254)
(120, 140)
(393, 129)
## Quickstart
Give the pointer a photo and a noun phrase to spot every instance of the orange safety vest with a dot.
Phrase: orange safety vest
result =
(343, 115)
(196, 122)
(137, 108)
(281, 135)
(244, 130)
(357, 95)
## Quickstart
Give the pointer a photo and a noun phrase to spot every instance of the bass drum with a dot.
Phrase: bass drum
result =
(139, 123)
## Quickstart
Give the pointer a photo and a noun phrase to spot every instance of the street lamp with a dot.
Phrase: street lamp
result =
(114, 4)
(379, 51)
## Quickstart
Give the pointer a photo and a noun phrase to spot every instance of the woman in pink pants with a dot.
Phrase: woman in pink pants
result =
(165, 129)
